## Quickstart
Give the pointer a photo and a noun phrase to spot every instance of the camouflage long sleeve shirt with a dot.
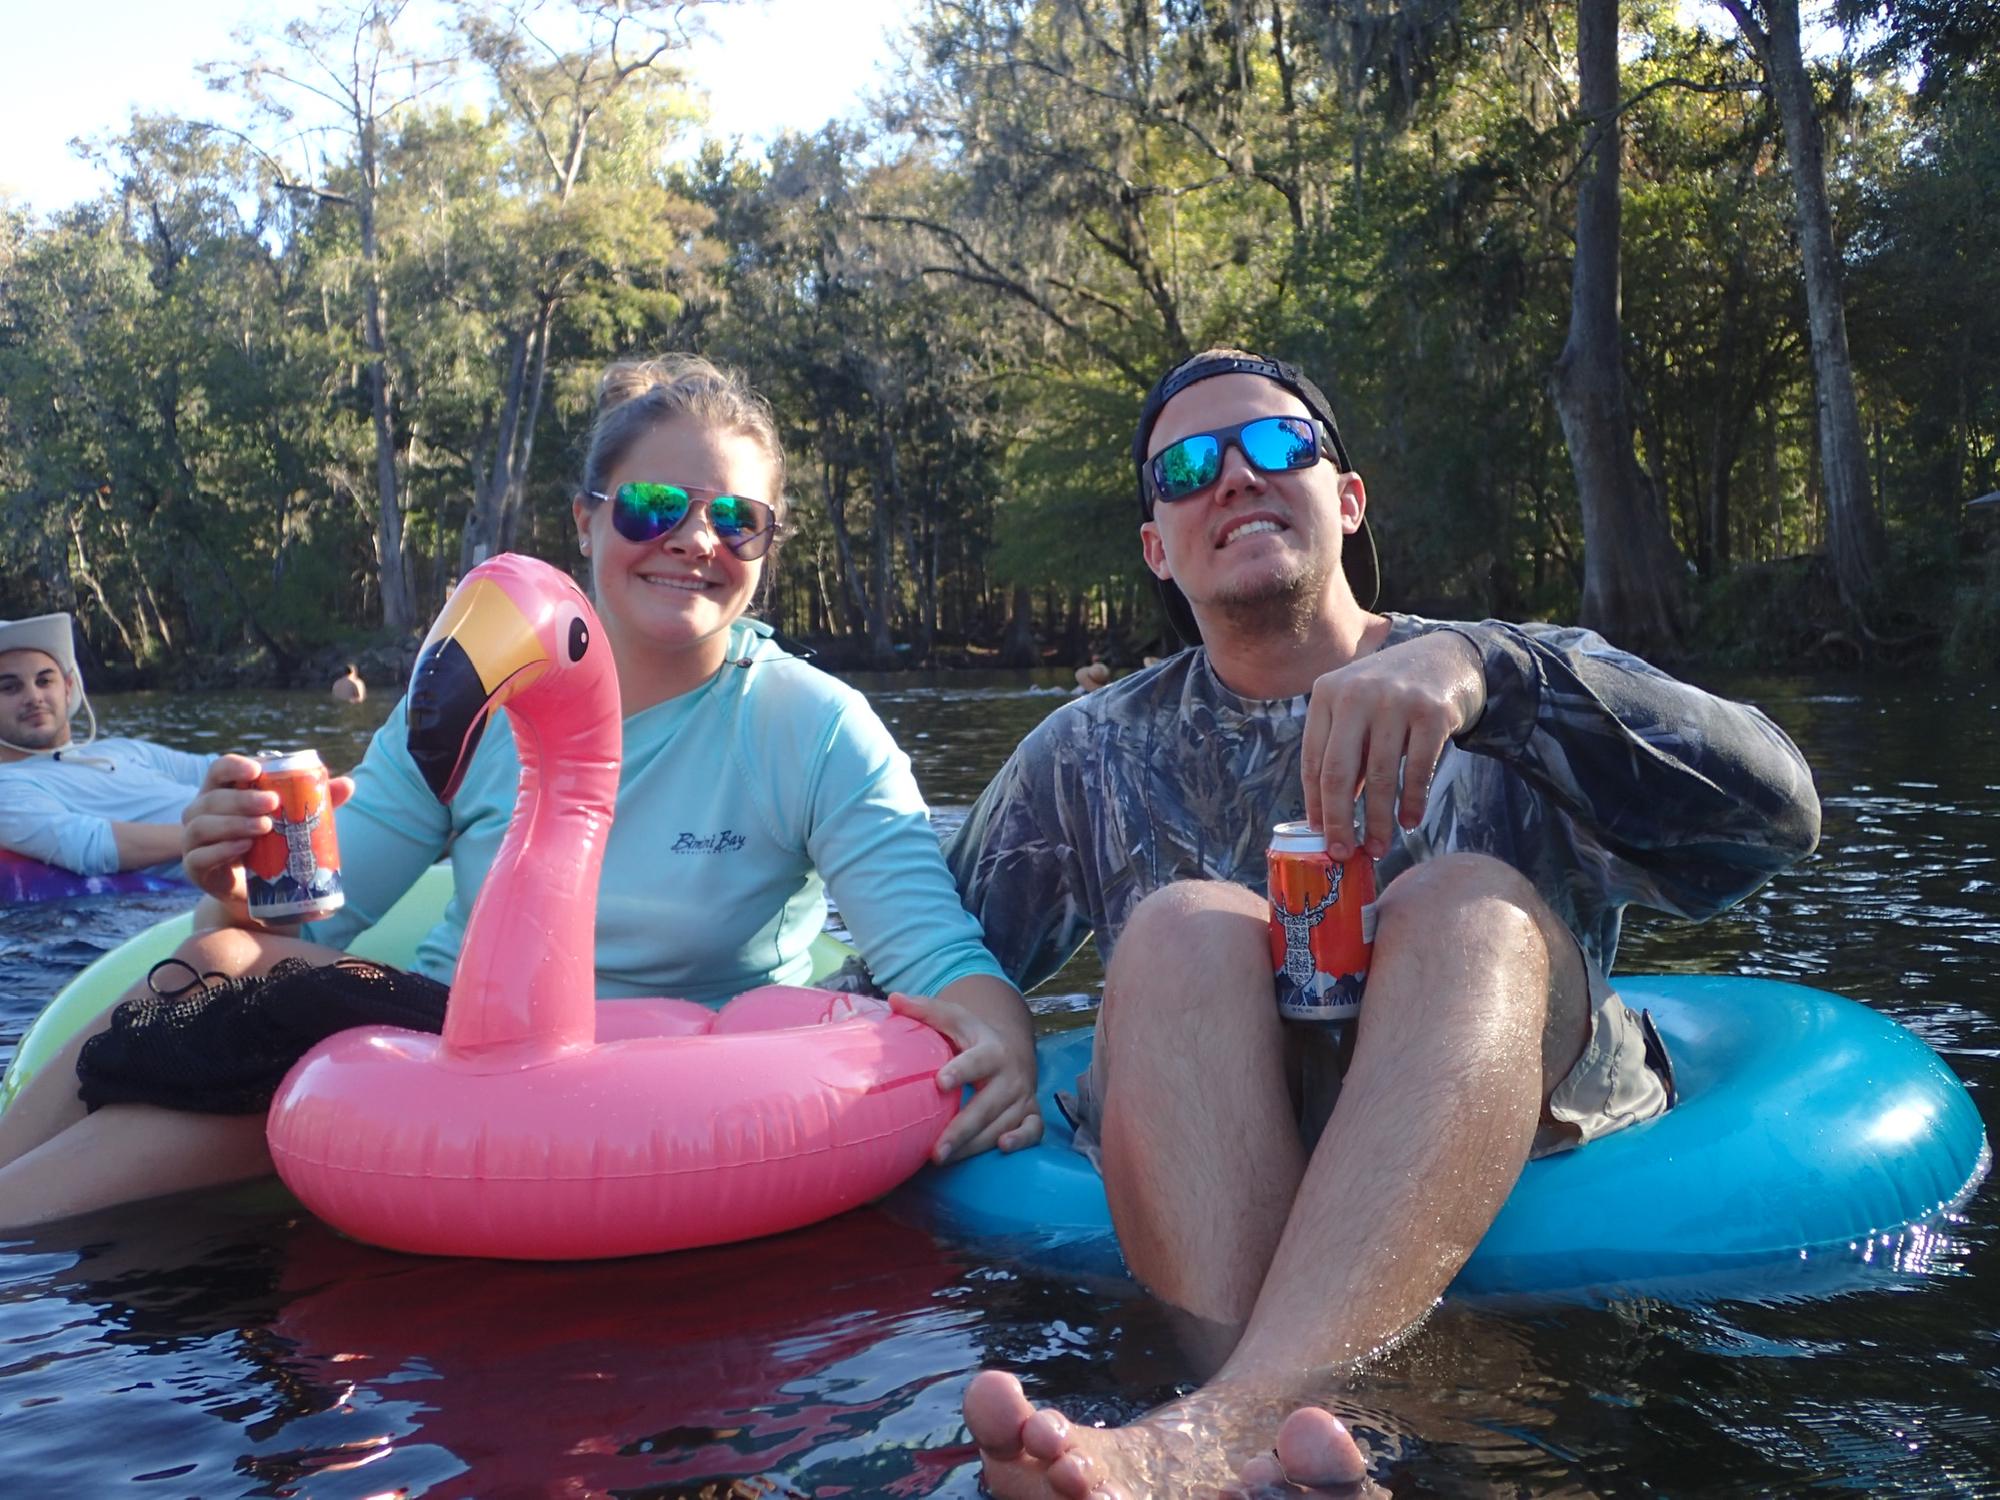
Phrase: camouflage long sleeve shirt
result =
(1603, 780)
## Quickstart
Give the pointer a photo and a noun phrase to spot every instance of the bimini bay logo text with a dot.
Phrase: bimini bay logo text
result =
(728, 841)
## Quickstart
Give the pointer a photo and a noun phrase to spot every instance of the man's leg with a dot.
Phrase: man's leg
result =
(57, 1160)
(1477, 1005)
(1200, 1191)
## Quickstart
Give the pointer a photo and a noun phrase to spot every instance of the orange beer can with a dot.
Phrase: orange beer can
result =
(1318, 951)
(294, 870)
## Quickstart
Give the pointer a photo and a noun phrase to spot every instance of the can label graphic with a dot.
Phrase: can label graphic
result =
(294, 870)
(1318, 949)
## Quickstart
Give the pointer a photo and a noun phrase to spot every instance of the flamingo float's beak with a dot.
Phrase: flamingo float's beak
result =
(482, 650)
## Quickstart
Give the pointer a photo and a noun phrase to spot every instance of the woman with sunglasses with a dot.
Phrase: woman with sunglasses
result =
(750, 783)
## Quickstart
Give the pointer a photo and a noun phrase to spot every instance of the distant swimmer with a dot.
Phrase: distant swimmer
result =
(1091, 675)
(348, 687)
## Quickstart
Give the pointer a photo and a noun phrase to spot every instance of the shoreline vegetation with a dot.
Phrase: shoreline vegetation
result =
(1781, 617)
(1633, 316)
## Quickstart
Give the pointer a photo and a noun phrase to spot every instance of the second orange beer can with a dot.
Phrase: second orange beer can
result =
(294, 870)
(1318, 949)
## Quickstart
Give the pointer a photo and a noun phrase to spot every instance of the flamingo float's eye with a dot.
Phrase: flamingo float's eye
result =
(579, 639)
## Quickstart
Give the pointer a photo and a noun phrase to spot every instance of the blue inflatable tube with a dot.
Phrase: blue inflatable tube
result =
(24, 880)
(1807, 1126)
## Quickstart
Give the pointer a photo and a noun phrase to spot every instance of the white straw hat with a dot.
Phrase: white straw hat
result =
(49, 634)
(52, 636)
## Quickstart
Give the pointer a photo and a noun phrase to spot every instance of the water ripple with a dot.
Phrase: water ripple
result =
(229, 1346)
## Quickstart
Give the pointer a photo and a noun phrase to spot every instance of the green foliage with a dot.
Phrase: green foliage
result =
(1972, 635)
(1069, 513)
(956, 309)
(1772, 611)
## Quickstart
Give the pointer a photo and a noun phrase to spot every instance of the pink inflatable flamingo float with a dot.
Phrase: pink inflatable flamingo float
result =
(543, 1125)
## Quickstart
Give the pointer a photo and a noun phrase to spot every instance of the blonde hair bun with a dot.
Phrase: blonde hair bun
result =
(635, 395)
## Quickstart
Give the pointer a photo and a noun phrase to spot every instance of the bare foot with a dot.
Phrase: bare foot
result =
(1203, 1445)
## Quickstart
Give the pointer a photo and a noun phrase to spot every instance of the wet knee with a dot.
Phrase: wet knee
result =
(1191, 916)
(1466, 903)
(1197, 939)
(223, 948)
(231, 951)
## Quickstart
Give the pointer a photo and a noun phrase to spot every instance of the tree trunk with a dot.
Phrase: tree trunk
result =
(881, 580)
(482, 527)
(135, 649)
(1631, 570)
(928, 622)
(853, 596)
(148, 600)
(1854, 530)
(397, 612)
(1017, 646)
(1715, 530)
(891, 516)
(1726, 420)
(820, 608)
(523, 452)
(920, 626)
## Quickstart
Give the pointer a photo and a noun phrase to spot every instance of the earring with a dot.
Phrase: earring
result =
(583, 545)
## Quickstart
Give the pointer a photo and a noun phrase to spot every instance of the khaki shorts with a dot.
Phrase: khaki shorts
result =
(1624, 1076)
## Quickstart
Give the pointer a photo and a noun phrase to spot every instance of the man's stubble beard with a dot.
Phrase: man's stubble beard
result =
(1283, 605)
(52, 737)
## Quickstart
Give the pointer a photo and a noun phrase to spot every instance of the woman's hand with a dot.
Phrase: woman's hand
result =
(1382, 720)
(220, 824)
(988, 1025)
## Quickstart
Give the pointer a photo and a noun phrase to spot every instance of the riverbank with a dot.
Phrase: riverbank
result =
(1787, 615)
(1929, 615)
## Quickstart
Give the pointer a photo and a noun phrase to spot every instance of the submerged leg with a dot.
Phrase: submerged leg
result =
(1477, 1006)
(39, 1182)
(127, 1152)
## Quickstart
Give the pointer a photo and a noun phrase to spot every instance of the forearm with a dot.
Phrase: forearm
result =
(1697, 788)
(42, 828)
(143, 844)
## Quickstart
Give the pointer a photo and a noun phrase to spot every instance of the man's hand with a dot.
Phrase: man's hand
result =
(987, 1024)
(1389, 712)
(219, 825)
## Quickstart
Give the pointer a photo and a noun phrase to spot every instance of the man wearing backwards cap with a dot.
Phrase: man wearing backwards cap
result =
(108, 805)
(1523, 785)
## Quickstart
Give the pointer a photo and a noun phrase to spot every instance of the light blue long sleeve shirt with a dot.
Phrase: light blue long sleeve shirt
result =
(59, 808)
(739, 804)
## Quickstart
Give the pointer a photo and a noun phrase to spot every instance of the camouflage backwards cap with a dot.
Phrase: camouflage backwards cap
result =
(1201, 367)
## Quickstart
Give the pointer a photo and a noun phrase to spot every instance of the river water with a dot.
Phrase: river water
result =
(227, 1345)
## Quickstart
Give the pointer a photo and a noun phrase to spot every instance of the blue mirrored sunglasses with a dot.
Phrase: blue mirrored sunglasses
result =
(647, 512)
(1273, 445)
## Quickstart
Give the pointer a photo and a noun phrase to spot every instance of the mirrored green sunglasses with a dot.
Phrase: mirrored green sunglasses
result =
(647, 512)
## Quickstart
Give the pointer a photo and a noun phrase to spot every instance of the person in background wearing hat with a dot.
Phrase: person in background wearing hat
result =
(1519, 786)
(95, 808)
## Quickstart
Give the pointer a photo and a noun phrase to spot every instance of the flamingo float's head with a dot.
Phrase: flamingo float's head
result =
(512, 625)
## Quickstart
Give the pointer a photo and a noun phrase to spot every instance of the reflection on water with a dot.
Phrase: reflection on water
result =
(247, 720)
(229, 1346)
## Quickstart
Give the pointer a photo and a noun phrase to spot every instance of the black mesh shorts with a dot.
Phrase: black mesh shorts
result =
(222, 1046)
